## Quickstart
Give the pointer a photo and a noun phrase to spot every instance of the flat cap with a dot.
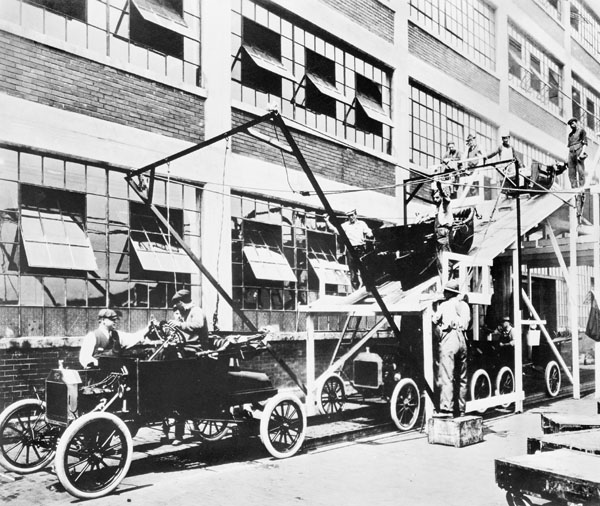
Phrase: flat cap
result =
(181, 296)
(451, 286)
(108, 313)
(572, 120)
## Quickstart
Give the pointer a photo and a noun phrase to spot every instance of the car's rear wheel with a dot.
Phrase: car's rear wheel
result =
(553, 378)
(405, 404)
(27, 441)
(94, 455)
(505, 383)
(283, 425)
(481, 387)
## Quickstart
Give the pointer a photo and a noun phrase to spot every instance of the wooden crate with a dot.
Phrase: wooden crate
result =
(563, 475)
(458, 432)
(553, 423)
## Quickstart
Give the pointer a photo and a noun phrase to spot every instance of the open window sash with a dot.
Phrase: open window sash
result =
(330, 272)
(372, 109)
(161, 256)
(324, 87)
(54, 240)
(265, 61)
(267, 264)
(161, 12)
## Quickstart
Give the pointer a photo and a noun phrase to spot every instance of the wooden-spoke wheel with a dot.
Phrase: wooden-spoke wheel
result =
(405, 404)
(481, 386)
(505, 383)
(94, 455)
(283, 425)
(553, 378)
(27, 441)
(210, 430)
(331, 396)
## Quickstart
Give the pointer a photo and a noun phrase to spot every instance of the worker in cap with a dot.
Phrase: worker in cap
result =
(357, 232)
(106, 338)
(190, 321)
(577, 144)
(506, 153)
(474, 154)
(452, 319)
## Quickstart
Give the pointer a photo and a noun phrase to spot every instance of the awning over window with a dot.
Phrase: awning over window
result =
(161, 257)
(267, 62)
(161, 12)
(328, 89)
(269, 264)
(373, 110)
(329, 272)
(55, 241)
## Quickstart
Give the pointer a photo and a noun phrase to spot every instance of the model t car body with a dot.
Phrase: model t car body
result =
(89, 417)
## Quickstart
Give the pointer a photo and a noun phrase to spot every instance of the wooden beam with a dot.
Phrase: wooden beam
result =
(428, 357)
(311, 408)
(573, 306)
(596, 271)
(518, 347)
(557, 354)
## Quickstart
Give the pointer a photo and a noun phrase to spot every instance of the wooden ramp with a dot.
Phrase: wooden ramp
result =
(586, 441)
(563, 475)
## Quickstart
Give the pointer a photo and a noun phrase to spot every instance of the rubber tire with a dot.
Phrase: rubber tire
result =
(333, 385)
(550, 376)
(63, 445)
(211, 438)
(272, 404)
(504, 370)
(400, 394)
(480, 373)
(8, 412)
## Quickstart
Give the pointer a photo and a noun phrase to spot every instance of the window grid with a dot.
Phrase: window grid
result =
(585, 27)
(467, 25)
(586, 105)
(436, 121)
(534, 72)
(107, 33)
(530, 153)
(295, 42)
(108, 227)
(297, 232)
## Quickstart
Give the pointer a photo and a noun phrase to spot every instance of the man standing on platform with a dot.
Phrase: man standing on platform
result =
(577, 144)
(452, 318)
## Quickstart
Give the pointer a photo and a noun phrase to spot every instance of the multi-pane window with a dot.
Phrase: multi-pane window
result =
(534, 71)
(316, 81)
(585, 26)
(552, 7)
(160, 36)
(73, 239)
(435, 121)
(467, 25)
(282, 256)
(585, 105)
(528, 153)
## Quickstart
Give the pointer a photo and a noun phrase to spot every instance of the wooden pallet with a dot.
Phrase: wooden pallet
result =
(587, 441)
(458, 432)
(564, 475)
(553, 423)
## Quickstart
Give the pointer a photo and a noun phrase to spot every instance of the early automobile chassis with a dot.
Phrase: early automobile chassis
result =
(89, 417)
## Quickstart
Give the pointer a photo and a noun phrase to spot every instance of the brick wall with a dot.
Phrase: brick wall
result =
(39, 73)
(536, 115)
(373, 15)
(432, 51)
(325, 158)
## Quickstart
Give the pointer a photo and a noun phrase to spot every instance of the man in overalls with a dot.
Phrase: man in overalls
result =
(452, 317)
